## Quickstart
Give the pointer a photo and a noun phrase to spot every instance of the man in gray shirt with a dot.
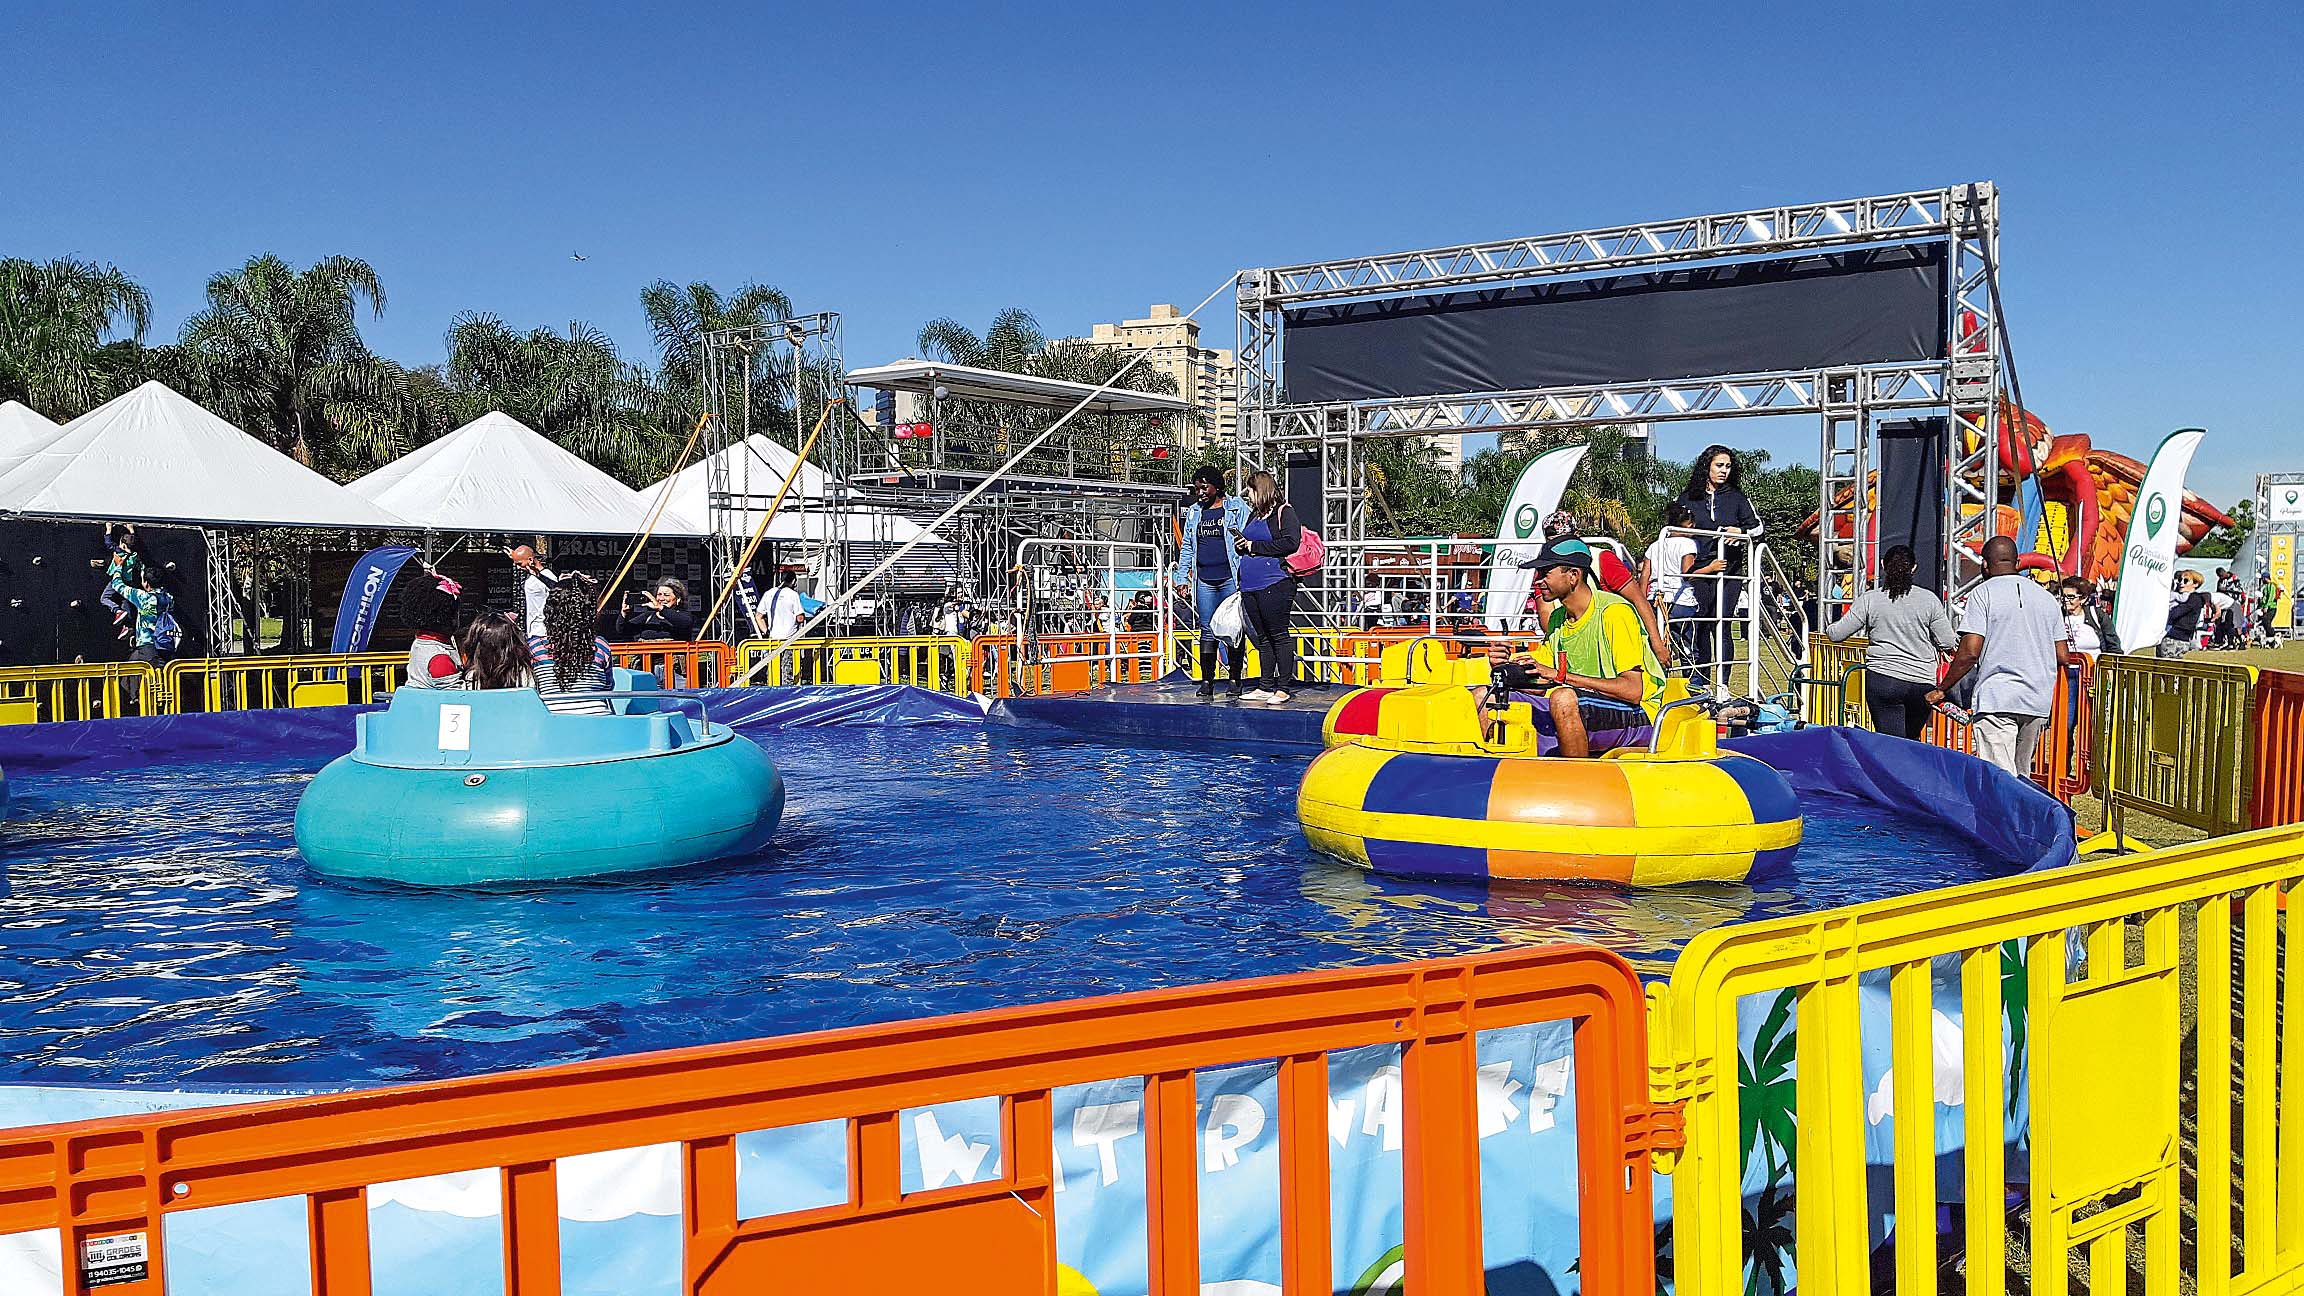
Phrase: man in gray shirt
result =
(2012, 636)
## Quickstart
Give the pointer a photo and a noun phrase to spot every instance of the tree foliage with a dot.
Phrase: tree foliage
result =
(59, 353)
(2228, 541)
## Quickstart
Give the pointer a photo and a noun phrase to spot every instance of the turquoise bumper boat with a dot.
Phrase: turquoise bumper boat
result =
(455, 788)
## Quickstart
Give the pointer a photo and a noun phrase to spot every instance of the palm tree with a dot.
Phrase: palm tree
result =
(54, 320)
(279, 352)
(574, 388)
(681, 317)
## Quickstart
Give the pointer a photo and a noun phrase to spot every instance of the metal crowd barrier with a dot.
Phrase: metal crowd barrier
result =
(2059, 1028)
(2063, 762)
(116, 1183)
(2174, 739)
(2277, 779)
(76, 691)
(262, 683)
(1827, 700)
(701, 664)
(1076, 663)
(922, 661)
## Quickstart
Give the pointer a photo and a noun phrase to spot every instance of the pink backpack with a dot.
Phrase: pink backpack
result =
(1311, 551)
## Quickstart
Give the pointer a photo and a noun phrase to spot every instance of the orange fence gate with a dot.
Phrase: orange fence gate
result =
(109, 1186)
(2277, 782)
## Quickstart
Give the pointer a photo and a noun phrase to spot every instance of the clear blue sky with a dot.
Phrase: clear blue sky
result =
(898, 162)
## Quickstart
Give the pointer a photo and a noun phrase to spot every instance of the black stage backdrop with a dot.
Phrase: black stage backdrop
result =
(51, 579)
(1910, 507)
(1864, 307)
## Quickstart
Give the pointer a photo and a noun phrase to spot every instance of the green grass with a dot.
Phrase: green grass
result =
(2287, 657)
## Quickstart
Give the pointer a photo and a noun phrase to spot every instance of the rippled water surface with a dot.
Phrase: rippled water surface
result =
(157, 925)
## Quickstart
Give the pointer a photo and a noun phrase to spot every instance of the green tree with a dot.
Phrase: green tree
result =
(1618, 490)
(57, 318)
(573, 388)
(680, 317)
(278, 352)
(1785, 498)
(1410, 491)
(1015, 343)
(2228, 541)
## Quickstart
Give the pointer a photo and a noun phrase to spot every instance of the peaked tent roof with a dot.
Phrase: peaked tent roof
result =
(153, 456)
(22, 428)
(756, 468)
(496, 473)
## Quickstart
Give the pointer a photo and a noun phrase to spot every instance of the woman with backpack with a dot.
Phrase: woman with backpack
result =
(1268, 584)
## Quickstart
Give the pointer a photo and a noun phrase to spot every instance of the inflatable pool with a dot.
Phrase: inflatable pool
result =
(1424, 794)
(454, 788)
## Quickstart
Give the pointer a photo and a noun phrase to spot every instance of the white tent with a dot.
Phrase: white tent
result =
(496, 474)
(22, 430)
(154, 456)
(756, 469)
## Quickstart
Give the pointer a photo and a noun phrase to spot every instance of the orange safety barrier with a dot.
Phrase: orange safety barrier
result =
(701, 664)
(1072, 663)
(992, 666)
(2061, 764)
(2277, 787)
(114, 1182)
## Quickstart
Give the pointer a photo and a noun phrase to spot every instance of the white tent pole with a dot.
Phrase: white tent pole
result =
(965, 500)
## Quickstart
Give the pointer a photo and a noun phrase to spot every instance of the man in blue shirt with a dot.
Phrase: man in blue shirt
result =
(1210, 563)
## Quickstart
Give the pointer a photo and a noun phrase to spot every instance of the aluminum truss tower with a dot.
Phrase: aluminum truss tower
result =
(1963, 386)
(801, 360)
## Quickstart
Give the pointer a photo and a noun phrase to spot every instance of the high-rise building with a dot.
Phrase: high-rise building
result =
(1205, 376)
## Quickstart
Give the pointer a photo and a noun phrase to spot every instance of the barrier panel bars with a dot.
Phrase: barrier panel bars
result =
(2174, 739)
(2277, 794)
(923, 661)
(263, 683)
(77, 691)
(2061, 764)
(1825, 702)
(1056, 634)
(120, 1178)
(2099, 1046)
(698, 664)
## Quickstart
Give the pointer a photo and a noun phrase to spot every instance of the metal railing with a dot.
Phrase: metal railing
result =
(262, 683)
(1075, 621)
(933, 662)
(2044, 1012)
(124, 1179)
(2175, 740)
(76, 691)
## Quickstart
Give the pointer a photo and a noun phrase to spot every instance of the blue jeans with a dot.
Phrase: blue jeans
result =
(1205, 597)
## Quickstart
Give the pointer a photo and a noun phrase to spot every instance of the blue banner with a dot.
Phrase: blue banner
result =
(364, 595)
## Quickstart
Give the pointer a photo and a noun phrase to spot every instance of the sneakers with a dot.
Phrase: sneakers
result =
(1207, 688)
(1276, 696)
(1257, 695)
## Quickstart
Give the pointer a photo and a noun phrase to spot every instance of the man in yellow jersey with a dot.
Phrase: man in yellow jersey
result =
(1597, 672)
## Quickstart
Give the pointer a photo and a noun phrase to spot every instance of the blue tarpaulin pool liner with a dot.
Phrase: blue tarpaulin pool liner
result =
(157, 740)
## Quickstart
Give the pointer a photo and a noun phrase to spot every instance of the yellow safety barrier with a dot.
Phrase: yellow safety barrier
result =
(75, 691)
(1828, 701)
(922, 661)
(2064, 989)
(2174, 739)
(262, 683)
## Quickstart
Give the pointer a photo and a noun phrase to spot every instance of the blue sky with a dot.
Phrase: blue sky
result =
(899, 162)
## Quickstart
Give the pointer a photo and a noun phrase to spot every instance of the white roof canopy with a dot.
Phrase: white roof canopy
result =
(957, 380)
(496, 474)
(154, 456)
(756, 470)
(22, 430)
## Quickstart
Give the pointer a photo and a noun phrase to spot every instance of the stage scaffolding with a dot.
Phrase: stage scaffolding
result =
(1962, 386)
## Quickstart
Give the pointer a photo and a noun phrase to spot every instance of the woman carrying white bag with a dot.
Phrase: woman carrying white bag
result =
(1209, 564)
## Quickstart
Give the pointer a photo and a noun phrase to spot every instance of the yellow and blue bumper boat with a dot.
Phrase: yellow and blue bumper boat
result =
(1415, 784)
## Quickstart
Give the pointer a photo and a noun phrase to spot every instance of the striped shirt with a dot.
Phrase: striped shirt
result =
(568, 698)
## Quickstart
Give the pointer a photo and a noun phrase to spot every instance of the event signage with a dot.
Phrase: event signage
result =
(1521, 526)
(364, 594)
(2284, 577)
(2148, 559)
(2285, 502)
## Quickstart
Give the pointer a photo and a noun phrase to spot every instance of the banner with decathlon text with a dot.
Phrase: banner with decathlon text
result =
(2148, 559)
(364, 593)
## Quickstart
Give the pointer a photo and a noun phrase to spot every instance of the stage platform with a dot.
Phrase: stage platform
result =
(1172, 711)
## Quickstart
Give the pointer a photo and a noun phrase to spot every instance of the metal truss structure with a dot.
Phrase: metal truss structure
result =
(801, 357)
(1963, 386)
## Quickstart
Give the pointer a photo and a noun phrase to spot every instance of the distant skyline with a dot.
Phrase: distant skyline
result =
(903, 162)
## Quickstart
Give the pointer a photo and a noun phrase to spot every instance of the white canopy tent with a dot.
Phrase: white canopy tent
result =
(22, 430)
(757, 467)
(154, 456)
(496, 474)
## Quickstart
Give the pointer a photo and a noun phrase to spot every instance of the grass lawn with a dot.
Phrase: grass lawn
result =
(2288, 657)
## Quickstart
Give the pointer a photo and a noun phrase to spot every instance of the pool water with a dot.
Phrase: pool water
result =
(159, 927)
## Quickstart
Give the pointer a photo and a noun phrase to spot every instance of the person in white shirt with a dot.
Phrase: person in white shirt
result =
(785, 611)
(1666, 567)
(536, 584)
(2012, 637)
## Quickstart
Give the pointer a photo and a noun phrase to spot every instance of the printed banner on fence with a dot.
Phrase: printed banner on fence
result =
(2148, 560)
(364, 594)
